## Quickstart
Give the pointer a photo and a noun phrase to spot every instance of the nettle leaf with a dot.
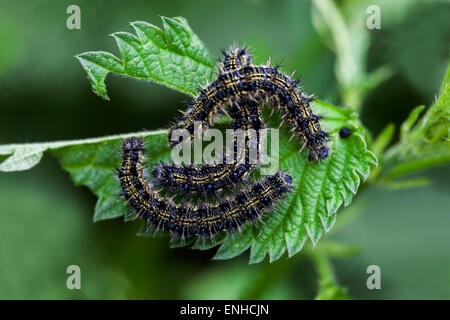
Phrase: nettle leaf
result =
(93, 166)
(174, 57)
(21, 157)
(321, 187)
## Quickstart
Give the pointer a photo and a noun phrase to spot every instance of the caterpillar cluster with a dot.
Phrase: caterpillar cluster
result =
(213, 178)
(240, 79)
(240, 89)
(204, 220)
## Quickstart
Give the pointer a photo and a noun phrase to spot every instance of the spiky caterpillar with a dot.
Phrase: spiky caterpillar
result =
(204, 220)
(234, 59)
(260, 83)
(213, 178)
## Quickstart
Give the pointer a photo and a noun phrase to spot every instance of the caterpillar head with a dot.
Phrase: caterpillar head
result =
(282, 181)
(318, 147)
(236, 58)
(133, 144)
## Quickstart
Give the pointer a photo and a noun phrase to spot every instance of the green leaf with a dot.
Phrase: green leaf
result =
(321, 187)
(22, 157)
(174, 57)
(429, 156)
(93, 166)
(424, 142)
(90, 162)
(434, 126)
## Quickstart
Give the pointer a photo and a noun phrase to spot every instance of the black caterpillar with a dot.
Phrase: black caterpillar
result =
(213, 178)
(239, 80)
(241, 88)
(204, 220)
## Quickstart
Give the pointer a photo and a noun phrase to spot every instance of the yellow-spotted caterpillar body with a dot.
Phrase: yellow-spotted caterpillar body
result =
(213, 178)
(184, 219)
(234, 59)
(262, 84)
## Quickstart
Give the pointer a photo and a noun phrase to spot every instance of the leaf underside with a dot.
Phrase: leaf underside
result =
(321, 187)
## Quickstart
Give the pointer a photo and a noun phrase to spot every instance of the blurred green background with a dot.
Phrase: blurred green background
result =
(46, 222)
